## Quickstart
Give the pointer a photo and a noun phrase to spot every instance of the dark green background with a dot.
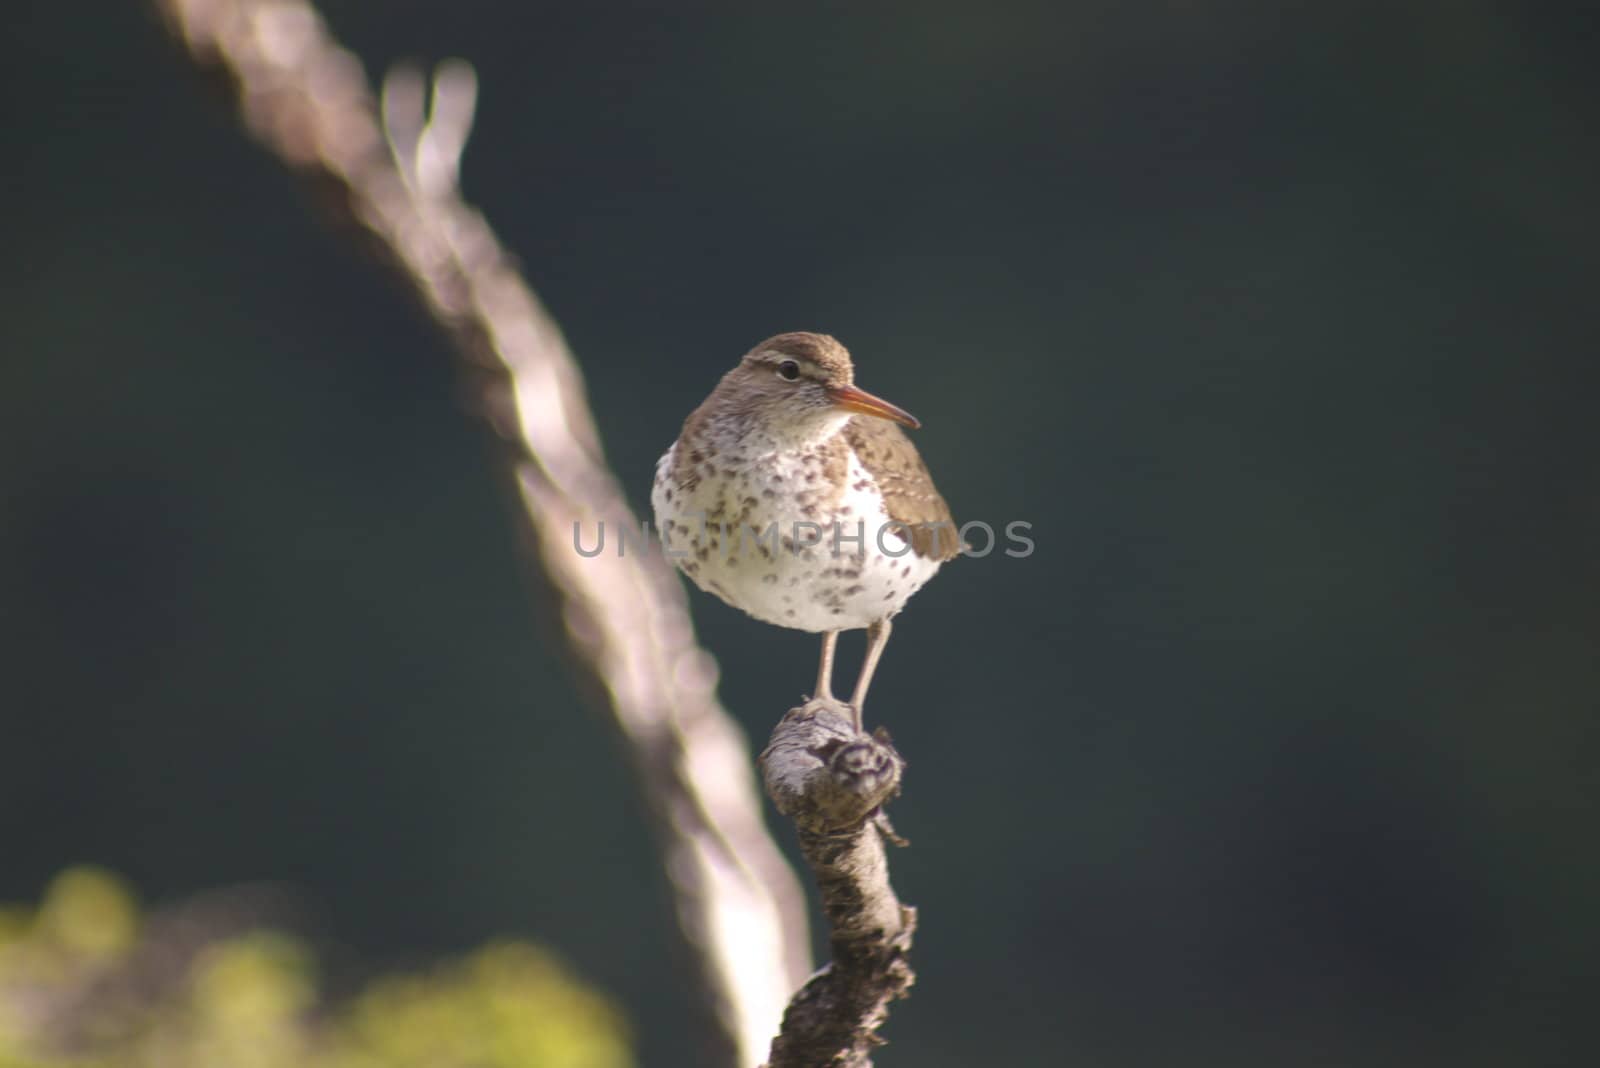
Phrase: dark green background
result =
(1276, 321)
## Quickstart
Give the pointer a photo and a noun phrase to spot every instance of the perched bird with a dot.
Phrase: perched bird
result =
(793, 496)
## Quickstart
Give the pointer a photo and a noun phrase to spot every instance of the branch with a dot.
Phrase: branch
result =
(306, 99)
(833, 783)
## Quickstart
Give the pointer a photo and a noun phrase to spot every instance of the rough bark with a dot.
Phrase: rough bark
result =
(832, 782)
(307, 100)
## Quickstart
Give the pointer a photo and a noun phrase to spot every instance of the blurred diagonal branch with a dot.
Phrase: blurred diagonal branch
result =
(307, 100)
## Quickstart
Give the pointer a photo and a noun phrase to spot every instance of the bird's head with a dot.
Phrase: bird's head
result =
(802, 384)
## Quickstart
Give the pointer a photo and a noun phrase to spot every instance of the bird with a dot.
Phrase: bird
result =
(796, 497)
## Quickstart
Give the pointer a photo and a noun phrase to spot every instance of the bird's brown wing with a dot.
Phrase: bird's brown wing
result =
(907, 488)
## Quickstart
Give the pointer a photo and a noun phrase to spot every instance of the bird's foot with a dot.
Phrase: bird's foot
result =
(836, 706)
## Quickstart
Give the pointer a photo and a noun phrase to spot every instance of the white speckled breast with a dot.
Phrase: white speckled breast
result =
(777, 534)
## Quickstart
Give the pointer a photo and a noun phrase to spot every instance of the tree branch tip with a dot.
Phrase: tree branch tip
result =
(833, 780)
(824, 774)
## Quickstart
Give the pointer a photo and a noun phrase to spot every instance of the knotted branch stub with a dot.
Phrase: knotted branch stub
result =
(832, 782)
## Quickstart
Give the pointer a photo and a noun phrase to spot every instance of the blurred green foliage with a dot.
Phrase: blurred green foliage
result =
(85, 982)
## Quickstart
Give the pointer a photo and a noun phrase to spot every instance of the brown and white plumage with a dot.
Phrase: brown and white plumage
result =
(784, 446)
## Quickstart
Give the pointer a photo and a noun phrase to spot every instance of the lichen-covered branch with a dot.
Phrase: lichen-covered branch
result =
(833, 782)
(307, 100)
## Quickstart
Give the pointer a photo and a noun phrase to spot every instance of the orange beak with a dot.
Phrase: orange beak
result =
(859, 400)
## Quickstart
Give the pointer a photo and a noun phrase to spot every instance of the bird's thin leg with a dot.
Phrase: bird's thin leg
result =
(825, 669)
(877, 638)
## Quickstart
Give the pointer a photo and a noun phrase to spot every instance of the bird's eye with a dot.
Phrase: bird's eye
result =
(788, 370)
